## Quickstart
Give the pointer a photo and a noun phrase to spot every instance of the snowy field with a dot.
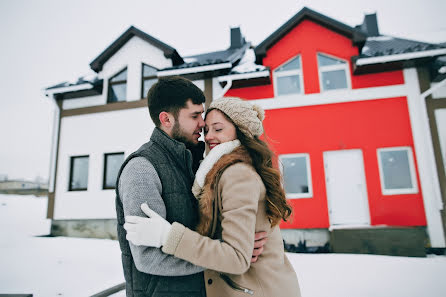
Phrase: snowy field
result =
(47, 267)
(50, 266)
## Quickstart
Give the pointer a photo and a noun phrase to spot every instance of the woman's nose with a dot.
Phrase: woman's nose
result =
(208, 136)
(201, 123)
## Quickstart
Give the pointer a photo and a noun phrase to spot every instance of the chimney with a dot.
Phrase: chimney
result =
(237, 40)
(370, 25)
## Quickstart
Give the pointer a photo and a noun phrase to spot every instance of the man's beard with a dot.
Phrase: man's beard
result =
(179, 135)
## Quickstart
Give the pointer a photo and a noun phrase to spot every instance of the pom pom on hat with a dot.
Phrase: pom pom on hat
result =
(246, 116)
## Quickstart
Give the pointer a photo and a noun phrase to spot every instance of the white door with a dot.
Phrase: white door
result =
(346, 188)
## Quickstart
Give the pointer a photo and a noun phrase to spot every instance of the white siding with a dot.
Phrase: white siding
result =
(83, 102)
(94, 135)
(199, 83)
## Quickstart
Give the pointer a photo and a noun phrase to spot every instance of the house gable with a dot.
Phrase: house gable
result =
(307, 39)
(168, 51)
(310, 38)
(357, 37)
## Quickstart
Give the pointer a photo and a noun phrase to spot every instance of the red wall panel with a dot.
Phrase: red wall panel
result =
(365, 125)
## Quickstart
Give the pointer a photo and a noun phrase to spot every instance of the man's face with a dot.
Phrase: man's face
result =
(189, 124)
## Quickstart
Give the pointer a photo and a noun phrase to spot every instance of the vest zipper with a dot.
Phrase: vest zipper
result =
(235, 286)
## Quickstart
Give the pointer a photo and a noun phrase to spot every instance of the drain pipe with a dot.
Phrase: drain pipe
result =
(54, 143)
(53, 156)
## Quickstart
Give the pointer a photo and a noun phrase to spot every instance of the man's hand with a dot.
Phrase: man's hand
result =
(152, 231)
(260, 239)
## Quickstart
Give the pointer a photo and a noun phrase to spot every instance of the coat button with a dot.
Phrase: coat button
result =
(210, 281)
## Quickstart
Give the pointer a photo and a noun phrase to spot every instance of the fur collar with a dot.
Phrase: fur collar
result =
(213, 156)
(208, 212)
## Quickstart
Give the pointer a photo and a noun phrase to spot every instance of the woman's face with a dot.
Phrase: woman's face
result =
(218, 129)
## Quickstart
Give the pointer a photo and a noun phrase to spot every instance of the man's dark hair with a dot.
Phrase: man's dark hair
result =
(170, 94)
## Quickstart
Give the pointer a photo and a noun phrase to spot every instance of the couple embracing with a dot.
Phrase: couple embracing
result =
(191, 227)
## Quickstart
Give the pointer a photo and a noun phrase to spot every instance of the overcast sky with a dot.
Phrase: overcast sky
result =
(51, 41)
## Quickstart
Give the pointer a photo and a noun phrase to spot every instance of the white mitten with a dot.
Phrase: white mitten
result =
(152, 231)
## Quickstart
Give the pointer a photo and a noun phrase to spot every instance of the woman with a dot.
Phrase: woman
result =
(239, 193)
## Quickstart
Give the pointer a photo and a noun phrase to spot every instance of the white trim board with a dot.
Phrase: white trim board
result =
(333, 96)
(240, 76)
(425, 158)
(194, 69)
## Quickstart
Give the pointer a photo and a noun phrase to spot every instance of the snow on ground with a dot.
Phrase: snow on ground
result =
(50, 266)
(342, 275)
(59, 266)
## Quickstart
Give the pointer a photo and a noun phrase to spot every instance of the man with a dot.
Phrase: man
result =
(161, 174)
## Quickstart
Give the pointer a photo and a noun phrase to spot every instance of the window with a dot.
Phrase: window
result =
(78, 173)
(333, 73)
(288, 78)
(397, 171)
(112, 164)
(296, 175)
(117, 87)
(149, 78)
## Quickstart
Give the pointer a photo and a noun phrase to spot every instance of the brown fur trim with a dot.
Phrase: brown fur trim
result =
(206, 199)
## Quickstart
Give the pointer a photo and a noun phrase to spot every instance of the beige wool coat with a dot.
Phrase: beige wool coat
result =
(228, 257)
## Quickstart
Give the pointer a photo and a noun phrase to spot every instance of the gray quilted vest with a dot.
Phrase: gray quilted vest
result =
(175, 167)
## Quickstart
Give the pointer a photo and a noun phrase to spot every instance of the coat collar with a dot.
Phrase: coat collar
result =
(167, 142)
(177, 149)
(209, 192)
(212, 157)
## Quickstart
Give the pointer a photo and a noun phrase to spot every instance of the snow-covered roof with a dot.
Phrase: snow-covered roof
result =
(87, 85)
(387, 45)
(247, 64)
(383, 53)
(439, 69)
(198, 63)
(86, 79)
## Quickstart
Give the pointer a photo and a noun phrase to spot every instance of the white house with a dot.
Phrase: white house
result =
(103, 118)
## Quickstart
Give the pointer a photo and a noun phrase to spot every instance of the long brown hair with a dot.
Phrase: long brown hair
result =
(277, 207)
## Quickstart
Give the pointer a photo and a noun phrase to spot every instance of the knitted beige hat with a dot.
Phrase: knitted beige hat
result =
(246, 116)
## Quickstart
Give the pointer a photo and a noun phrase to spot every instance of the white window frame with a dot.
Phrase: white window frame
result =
(109, 83)
(289, 73)
(412, 172)
(345, 67)
(144, 78)
(310, 183)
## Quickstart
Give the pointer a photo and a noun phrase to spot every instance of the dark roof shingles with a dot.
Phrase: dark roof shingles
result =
(231, 55)
(80, 81)
(386, 46)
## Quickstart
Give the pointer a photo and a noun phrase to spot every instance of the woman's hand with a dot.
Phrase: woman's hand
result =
(152, 231)
(260, 239)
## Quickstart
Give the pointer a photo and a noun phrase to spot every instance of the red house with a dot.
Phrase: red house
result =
(344, 115)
